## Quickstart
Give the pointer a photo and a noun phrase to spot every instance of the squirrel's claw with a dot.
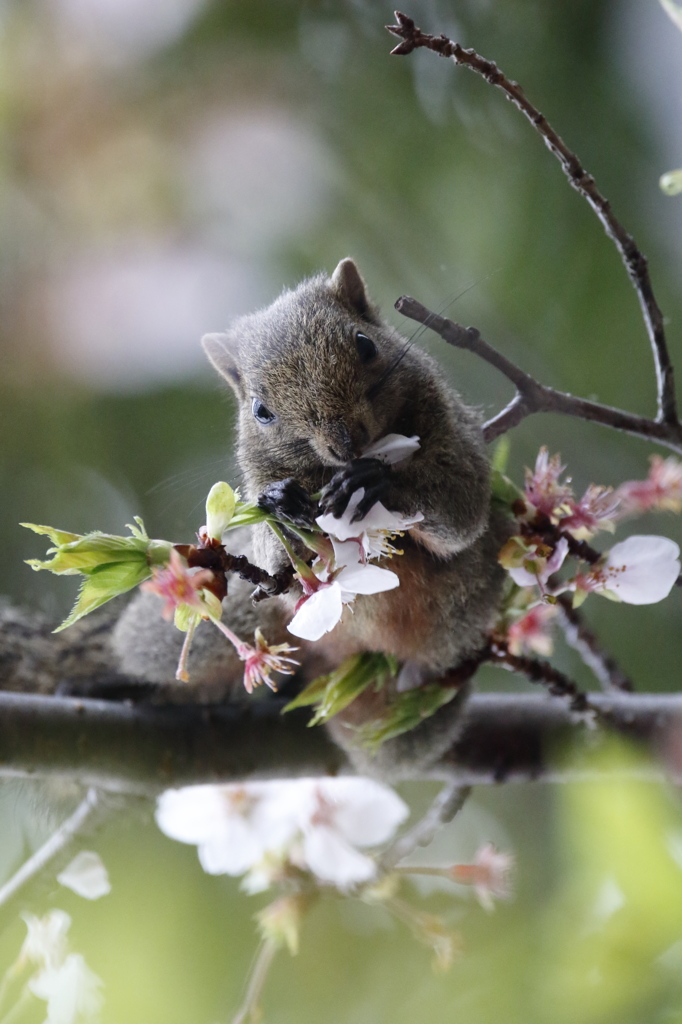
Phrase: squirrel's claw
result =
(287, 499)
(368, 473)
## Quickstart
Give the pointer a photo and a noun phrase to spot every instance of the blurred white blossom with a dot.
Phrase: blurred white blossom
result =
(46, 944)
(72, 991)
(314, 825)
(86, 875)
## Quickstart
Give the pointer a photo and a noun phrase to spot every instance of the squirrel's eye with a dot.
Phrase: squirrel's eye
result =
(366, 347)
(260, 412)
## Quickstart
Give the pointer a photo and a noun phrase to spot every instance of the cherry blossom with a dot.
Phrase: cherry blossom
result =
(260, 660)
(314, 825)
(46, 943)
(392, 448)
(336, 816)
(233, 825)
(639, 570)
(72, 991)
(536, 568)
(544, 490)
(177, 585)
(86, 875)
(661, 491)
(597, 510)
(63, 979)
(372, 532)
(532, 632)
(321, 607)
(489, 874)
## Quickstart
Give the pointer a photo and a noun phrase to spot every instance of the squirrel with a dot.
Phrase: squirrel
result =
(319, 376)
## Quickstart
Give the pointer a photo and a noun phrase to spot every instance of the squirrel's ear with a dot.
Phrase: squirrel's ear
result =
(219, 351)
(349, 288)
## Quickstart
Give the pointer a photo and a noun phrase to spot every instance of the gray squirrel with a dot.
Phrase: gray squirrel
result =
(319, 376)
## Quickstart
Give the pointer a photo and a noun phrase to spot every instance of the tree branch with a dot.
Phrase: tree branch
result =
(635, 262)
(531, 395)
(446, 805)
(144, 749)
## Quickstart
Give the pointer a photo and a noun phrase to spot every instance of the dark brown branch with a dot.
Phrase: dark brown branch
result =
(581, 638)
(635, 262)
(144, 749)
(531, 395)
(556, 682)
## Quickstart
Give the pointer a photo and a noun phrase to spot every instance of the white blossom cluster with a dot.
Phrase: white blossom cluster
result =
(257, 828)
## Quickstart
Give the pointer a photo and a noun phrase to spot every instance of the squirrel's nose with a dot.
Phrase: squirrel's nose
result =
(339, 442)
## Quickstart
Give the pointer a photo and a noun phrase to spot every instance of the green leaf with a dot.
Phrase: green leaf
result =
(104, 583)
(138, 530)
(247, 514)
(91, 551)
(56, 536)
(310, 695)
(334, 692)
(406, 712)
(501, 454)
(504, 490)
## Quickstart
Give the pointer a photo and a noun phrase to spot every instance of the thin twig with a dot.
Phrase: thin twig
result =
(447, 804)
(558, 684)
(635, 262)
(259, 974)
(581, 638)
(531, 395)
(66, 831)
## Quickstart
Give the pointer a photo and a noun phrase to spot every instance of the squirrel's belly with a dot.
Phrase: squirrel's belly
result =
(440, 613)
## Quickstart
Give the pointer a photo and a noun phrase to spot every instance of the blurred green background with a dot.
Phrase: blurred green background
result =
(169, 164)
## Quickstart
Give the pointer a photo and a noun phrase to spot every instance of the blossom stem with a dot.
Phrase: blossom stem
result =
(232, 637)
(301, 567)
(181, 673)
(256, 982)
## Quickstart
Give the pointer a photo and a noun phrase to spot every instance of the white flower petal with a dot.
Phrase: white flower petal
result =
(342, 528)
(366, 812)
(231, 850)
(332, 859)
(190, 814)
(318, 614)
(348, 552)
(366, 579)
(392, 448)
(522, 578)
(72, 991)
(641, 569)
(86, 875)
(46, 942)
(379, 518)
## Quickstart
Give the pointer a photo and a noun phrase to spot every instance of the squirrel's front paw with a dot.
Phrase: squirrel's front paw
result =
(368, 473)
(287, 499)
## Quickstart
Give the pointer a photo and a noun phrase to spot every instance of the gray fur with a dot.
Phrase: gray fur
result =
(299, 358)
